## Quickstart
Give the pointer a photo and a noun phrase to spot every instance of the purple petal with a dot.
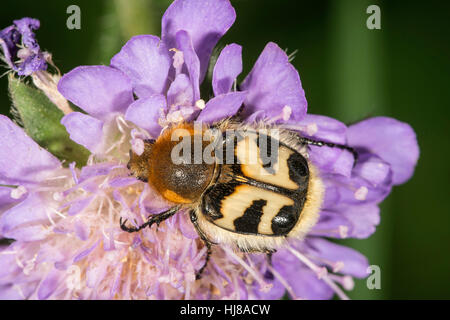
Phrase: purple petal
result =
(364, 219)
(79, 205)
(372, 169)
(84, 130)
(32, 209)
(146, 61)
(355, 190)
(276, 292)
(5, 197)
(26, 26)
(187, 228)
(323, 128)
(342, 209)
(28, 233)
(31, 162)
(273, 84)
(85, 252)
(332, 196)
(303, 281)
(146, 112)
(260, 114)
(307, 285)
(333, 225)
(98, 90)
(81, 230)
(206, 21)
(191, 61)
(15, 292)
(121, 182)
(222, 106)
(9, 38)
(49, 285)
(99, 169)
(8, 262)
(332, 160)
(20, 48)
(180, 92)
(393, 141)
(354, 263)
(227, 68)
(31, 64)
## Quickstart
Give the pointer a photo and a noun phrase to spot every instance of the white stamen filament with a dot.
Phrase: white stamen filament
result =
(345, 281)
(316, 269)
(264, 286)
(121, 122)
(282, 281)
(341, 230)
(58, 213)
(115, 241)
(336, 265)
(56, 178)
(50, 218)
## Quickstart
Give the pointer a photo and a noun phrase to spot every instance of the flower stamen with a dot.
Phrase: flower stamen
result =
(318, 270)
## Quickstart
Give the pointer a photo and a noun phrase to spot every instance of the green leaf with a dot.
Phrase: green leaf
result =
(41, 121)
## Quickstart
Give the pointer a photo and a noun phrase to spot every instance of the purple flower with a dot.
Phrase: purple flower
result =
(20, 48)
(66, 221)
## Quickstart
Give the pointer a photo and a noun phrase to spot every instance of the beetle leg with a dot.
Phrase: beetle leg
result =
(158, 218)
(268, 274)
(205, 240)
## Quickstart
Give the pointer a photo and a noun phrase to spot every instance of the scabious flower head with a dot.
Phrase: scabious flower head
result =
(65, 221)
(20, 48)
(23, 55)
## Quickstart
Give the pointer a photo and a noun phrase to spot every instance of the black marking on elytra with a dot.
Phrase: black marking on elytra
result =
(298, 170)
(249, 221)
(212, 199)
(285, 220)
(288, 216)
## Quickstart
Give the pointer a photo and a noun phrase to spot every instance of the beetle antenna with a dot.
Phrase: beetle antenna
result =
(319, 143)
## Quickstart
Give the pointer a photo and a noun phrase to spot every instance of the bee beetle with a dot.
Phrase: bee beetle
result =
(247, 186)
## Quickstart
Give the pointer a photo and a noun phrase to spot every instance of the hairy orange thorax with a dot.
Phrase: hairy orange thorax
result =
(163, 164)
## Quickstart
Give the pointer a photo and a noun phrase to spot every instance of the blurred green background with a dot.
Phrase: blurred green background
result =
(348, 72)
